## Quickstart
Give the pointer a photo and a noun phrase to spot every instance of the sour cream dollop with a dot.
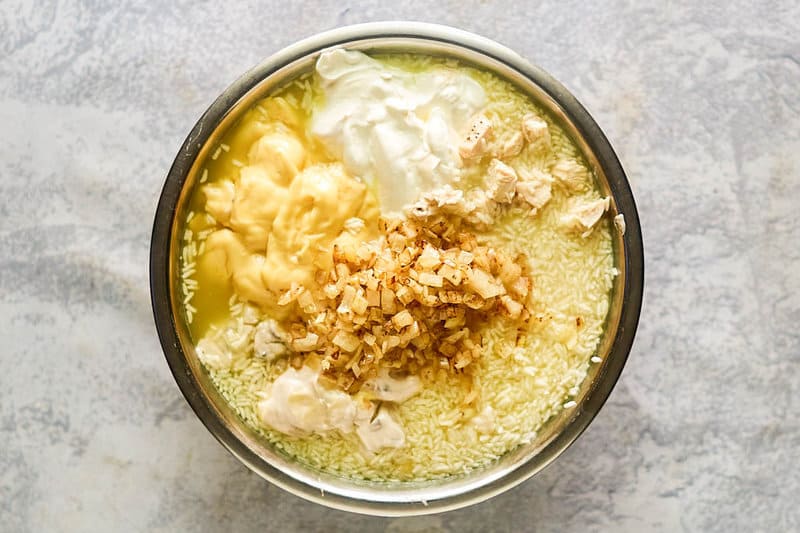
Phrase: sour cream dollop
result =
(398, 131)
(297, 404)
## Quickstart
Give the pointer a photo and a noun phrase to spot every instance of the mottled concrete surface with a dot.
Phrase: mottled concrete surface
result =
(703, 105)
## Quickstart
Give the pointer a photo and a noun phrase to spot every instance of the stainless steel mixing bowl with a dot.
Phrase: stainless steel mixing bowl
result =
(394, 498)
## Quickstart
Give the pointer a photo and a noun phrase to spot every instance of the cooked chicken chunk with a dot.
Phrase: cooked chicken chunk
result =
(481, 208)
(534, 187)
(269, 340)
(619, 223)
(571, 174)
(500, 181)
(535, 130)
(511, 146)
(583, 215)
(476, 141)
(445, 199)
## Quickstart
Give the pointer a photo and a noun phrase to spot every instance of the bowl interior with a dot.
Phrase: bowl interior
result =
(413, 497)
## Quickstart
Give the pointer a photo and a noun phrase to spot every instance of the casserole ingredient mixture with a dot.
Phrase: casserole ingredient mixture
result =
(396, 267)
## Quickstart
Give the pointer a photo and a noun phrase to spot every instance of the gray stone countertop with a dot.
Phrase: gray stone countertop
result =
(702, 102)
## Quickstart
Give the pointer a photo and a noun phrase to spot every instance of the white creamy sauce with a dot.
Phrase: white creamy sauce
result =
(382, 431)
(270, 340)
(386, 388)
(396, 130)
(297, 404)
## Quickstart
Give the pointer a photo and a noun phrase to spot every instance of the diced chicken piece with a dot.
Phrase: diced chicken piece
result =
(534, 187)
(571, 175)
(447, 196)
(476, 141)
(583, 216)
(445, 199)
(501, 180)
(512, 146)
(269, 340)
(386, 388)
(536, 194)
(478, 208)
(219, 200)
(535, 130)
(589, 214)
(482, 209)
(213, 355)
(619, 223)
